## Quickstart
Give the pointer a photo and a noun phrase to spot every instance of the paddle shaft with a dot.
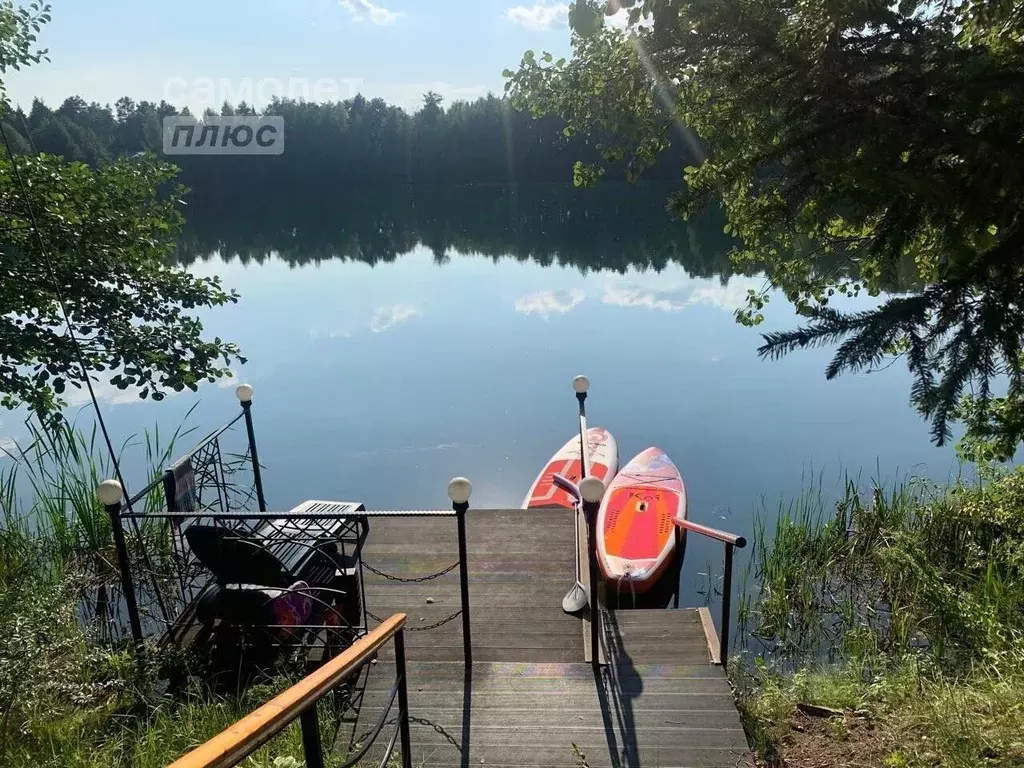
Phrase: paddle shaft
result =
(584, 457)
(584, 472)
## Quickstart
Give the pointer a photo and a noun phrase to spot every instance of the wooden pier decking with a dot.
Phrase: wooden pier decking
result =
(529, 695)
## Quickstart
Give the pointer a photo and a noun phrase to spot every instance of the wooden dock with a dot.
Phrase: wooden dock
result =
(530, 697)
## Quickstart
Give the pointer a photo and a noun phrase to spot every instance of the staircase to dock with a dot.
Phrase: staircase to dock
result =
(531, 697)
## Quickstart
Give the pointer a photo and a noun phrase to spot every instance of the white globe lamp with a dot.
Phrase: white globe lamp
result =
(459, 490)
(110, 493)
(244, 393)
(591, 489)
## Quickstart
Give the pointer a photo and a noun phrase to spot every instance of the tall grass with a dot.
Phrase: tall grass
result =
(48, 491)
(903, 602)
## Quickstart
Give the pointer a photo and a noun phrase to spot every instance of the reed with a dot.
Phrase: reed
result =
(899, 602)
(48, 492)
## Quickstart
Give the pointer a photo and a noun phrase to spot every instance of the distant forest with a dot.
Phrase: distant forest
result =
(351, 143)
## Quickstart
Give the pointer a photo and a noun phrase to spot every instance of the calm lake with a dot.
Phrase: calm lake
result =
(396, 340)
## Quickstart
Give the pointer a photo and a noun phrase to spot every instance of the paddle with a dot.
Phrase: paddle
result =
(575, 599)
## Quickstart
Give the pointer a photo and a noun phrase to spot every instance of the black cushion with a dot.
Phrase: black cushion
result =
(234, 558)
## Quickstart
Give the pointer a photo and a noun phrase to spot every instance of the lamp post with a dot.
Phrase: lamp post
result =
(459, 491)
(110, 493)
(244, 394)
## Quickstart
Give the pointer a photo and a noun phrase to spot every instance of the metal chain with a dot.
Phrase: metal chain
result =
(435, 625)
(418, 580)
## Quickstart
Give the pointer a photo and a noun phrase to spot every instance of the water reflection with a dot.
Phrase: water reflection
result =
(610, 228)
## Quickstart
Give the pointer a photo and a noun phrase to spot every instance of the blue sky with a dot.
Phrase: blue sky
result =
(396, 49)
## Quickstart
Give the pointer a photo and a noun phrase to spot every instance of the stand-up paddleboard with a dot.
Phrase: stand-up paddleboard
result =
(635, 536)
(567, 462)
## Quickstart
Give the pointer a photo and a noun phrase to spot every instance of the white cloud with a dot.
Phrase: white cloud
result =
(729, 296)
(680, 296)
(626, 295)
(105, 393)
(112, 395)
(547, 303)
(540, 15)
(330, 333)
(386, 318)
(363, 9)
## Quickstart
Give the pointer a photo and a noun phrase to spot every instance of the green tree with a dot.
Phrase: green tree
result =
(865, 134)
(92, 247)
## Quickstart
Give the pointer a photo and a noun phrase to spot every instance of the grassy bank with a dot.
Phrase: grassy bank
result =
(71, 695)
(887, 630)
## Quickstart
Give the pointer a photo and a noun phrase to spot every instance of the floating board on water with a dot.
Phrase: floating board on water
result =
(635, 535)
(604, 461)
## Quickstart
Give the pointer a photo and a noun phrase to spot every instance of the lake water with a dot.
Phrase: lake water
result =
(398, 340)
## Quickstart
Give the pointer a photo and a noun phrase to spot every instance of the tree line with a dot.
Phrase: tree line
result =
(355, 142)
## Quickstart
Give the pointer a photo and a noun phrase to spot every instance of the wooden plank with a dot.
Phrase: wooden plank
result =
(487, 638)
(501, 672)
(562, 700)
(519, 653)
(529, 592)
(710, 635)
(482, 630)
(584, 733)
(596, 757)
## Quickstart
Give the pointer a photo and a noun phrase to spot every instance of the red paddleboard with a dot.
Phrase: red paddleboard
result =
(635, 536)
(604, 461)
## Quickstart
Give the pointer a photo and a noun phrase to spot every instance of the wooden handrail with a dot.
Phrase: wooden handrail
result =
(714, 533)
(235, 743)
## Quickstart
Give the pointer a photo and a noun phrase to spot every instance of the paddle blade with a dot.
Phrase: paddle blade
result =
(575, 599)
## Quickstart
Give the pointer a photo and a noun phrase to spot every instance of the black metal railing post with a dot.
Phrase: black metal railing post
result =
(459, 491)
(403, 699)
(110, 494)
(677, 568)
(311, 746)
(592, 489)
(726, 605)
(244, 393)
(595, 608)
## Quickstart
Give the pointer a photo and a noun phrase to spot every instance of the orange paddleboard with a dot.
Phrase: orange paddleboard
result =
(604, 461)
(635, 536)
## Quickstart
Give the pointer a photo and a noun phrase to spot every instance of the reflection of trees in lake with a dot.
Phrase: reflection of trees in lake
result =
(612, 227)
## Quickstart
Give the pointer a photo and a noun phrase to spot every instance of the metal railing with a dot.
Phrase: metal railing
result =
(233, 745)
(205, 532)
(731, 541)
(214, 478)
(333, 532)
